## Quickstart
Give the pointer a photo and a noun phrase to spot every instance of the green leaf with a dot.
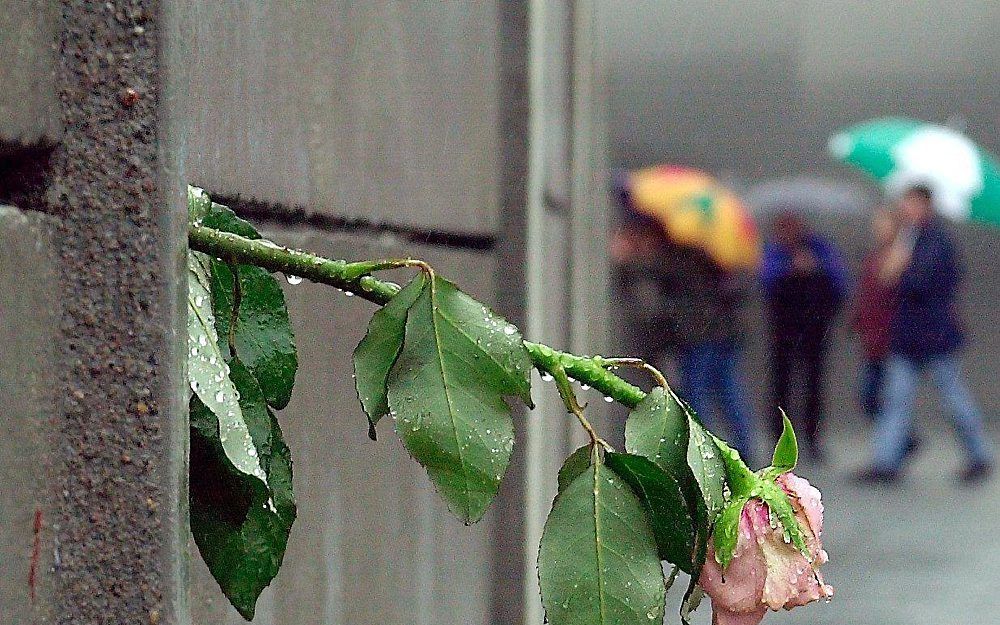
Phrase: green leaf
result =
(671, 511)
(377, 351)
(574, 466)
(208, 373)
(781, 508)
(223, 218)
(597, 562)
(786, 452)
(657, 428)
(241, 526)
(727, 530)
(263, 335)
(742, 481)
(198, 203)
(662, 429)
(446, 389)
(706, 464)
(264, 338)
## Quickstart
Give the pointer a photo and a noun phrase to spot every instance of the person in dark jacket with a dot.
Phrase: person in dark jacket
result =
(678, 301)
(805, 282)
(926, 270)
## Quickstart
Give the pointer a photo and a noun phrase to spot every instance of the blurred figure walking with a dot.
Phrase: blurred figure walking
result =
(924, 267)
(805, 282)
(678, 301)
(874, 309)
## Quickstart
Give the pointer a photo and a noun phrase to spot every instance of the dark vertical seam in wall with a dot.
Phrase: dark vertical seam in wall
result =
(507, 583)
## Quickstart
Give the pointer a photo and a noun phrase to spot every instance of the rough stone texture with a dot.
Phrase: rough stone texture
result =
(119, 238)
(28, 104)
(29, 327)
(384, 112)
(372, 542)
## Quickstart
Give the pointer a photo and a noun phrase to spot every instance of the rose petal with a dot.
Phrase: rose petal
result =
(805, 498)
(728, 617)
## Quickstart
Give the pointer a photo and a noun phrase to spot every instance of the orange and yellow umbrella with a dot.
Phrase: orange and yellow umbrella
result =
(695, 210)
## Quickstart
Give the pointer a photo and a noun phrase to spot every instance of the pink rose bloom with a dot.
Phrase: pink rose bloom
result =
(766, 572)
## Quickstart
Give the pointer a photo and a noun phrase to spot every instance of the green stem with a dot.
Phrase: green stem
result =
(356, 278)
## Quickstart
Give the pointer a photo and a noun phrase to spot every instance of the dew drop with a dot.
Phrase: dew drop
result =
(547, 377)
(585, 387)
(509, 330)
(202, 340)
(293, 280)
(199, 300)
(609, 399)
(220, 397)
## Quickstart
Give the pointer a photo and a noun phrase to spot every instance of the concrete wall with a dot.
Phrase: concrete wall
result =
(28, 325)
(384, 112)
(352, 129)
(28, 105)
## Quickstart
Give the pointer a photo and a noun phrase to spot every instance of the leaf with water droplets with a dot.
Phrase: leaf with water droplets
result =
(671, 508)
(263, 334)
(208, 372)
(198, 203)
(378, 349)
(706, 464)
(597, 561)
(574, 466)
(240, 526)
(727, 530)
(662, 429)
(781, 507)
(446, 391)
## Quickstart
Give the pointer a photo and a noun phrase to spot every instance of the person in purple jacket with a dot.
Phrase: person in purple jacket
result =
(805, 281)
(924, 266)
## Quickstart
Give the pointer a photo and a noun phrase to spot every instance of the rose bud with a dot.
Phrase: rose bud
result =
(767, 570)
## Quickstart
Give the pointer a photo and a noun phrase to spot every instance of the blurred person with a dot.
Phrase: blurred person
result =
(874, 310)
(680, 302)
(924, 267)
(805, 282)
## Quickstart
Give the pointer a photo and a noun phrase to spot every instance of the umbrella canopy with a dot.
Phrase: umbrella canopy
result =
(695, 210)
(808, 195)
(900, 153)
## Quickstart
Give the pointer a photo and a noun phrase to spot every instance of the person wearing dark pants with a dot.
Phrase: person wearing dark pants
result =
(925, 267)
(805, 281)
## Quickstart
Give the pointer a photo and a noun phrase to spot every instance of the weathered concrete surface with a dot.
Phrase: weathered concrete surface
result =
(385, 112)
(28, 330)
(120, 433)
(28, 104)
(372, 542)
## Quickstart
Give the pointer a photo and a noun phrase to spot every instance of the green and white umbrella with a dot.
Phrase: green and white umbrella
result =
(900, 153)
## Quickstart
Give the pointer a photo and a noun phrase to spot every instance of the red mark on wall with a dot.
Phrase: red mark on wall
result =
(36, 550)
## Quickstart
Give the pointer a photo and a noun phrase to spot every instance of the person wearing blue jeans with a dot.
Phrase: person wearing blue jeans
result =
(894, 425)
(926, 335)
(710, 376)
